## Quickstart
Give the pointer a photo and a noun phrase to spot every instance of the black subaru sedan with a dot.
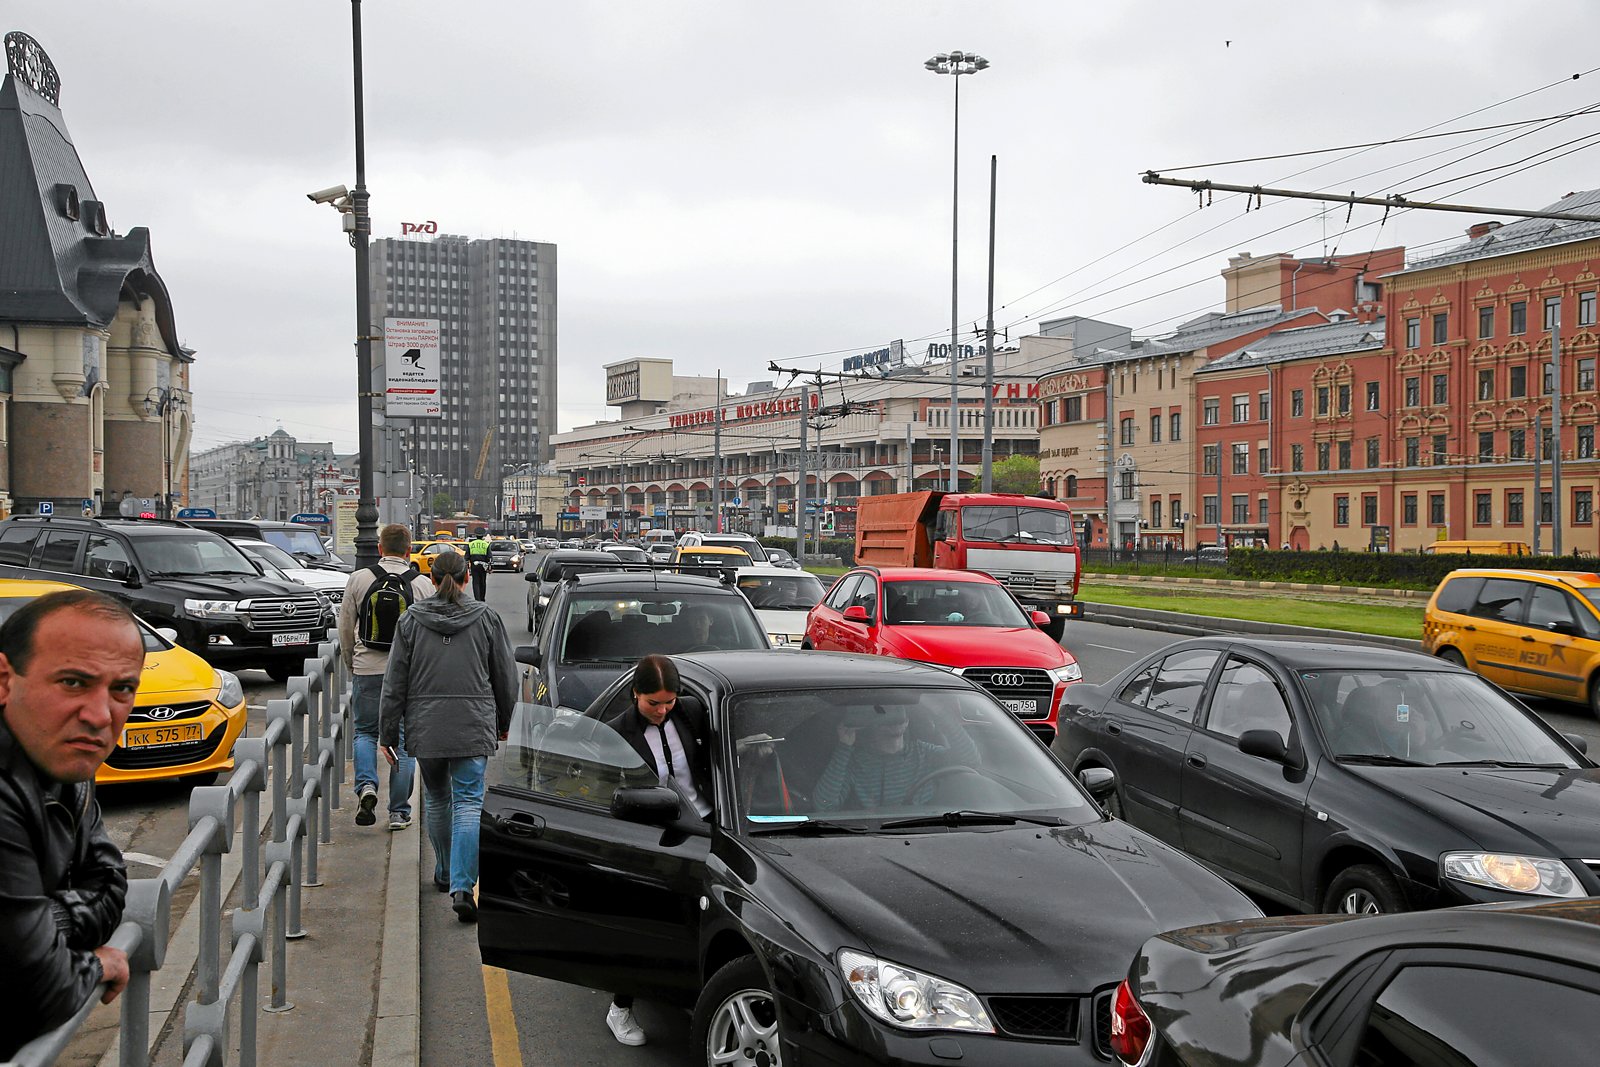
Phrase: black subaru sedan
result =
(1340, 777)
(894, 871)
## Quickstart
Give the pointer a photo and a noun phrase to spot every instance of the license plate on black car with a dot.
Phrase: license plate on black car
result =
(301, 637)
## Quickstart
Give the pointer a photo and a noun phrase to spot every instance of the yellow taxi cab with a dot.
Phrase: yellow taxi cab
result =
(1533, 632)
(186, 715)
(1477, 548)
(422, 552)
(710, 556)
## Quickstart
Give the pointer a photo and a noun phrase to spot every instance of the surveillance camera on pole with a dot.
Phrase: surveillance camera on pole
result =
(329, 195)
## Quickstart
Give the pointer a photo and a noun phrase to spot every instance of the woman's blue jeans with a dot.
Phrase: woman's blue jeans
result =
(452, 791)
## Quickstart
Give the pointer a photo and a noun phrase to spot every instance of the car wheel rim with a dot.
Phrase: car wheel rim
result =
(744, 1032)
(1360, 902)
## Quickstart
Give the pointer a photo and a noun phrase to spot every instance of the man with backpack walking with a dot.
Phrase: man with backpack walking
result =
(374, 599)
(478, 557)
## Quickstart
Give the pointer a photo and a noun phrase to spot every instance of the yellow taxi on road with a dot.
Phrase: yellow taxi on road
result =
(186, 714)
(422, 553)
(710, 556)
(1533, 632)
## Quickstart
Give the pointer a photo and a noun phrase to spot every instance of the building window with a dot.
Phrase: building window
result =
(1297, 403)
(1341, 511)
(1413, 333)
(1155, 429)
(1441, 388)
(1241, 409)
(1264, 406)
(1262, 457)
(1072, 486)
(1344, 399)
(1125, 485)
(1208, 511)
(1485, 322)
(1486, 446)
(1344, 455)
(1072, 409)
(1546, 506)
(1519, 316)
(1552, 312)
(1586, 308)
(1441, 448)
(1482, 508)
(1372, 396)
(1241, 509)
(1210, 459)
(1583, 506)
(1175, 509)
(1127, 431)
(1047, 413)
(1369, 510)
(1547, 442)
(1408, 509)
(1519, 381)
(1324, 451)
(1514, 507)
(1372, 452)
(1322, 400)
(1175, 424)
(1586, 374)
(1297, 457)
(1211, 413)
(1241, 458)
(1435, 509)
(1155, 511)
(1547, 378)
(1441, 327)
(1486, 385)
(1586, 442)
(1517, 444)
(1413, 392)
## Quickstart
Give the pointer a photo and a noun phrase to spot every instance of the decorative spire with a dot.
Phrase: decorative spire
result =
(27, 62)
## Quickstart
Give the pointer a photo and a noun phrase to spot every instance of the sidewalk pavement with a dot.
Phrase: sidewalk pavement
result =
(353, 978)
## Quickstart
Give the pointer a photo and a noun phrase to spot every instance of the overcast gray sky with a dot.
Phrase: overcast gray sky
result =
(731, 183)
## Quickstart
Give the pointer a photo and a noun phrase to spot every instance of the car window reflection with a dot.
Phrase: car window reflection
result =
(559, 753)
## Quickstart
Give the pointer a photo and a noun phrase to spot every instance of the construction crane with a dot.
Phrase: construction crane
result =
(477, 472)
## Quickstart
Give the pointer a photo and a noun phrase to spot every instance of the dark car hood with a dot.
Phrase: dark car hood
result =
(578, 684)
(225, 587)
(1024, 909)
(1549, 812)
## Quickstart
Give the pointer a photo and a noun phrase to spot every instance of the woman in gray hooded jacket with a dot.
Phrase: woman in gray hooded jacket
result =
(452, 680)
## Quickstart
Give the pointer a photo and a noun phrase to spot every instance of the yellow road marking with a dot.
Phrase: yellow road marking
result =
(502, 1021)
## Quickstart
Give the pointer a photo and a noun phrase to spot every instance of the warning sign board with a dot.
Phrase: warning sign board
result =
(411, 368)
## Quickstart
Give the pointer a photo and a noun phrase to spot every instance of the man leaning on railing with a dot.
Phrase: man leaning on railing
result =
(69, 667)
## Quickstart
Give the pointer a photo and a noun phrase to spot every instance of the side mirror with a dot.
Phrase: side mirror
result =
(172, 635)
(119, 570)
(1039, 619)
(528, 654)
(1265, 744)
(653, 805)
(856, 613)
(1100, 782)
(1578, 741)
(530, 577)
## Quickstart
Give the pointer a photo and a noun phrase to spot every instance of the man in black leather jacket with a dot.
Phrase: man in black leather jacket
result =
(69, 668)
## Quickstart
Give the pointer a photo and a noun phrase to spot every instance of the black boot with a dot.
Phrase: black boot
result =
(466, 910)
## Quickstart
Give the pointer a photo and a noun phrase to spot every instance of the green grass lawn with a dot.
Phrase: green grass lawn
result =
(826, 572)
(1302, 610)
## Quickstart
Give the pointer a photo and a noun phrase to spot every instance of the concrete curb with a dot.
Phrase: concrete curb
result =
(1237, 583)
(1181, 622)
(395, 1037)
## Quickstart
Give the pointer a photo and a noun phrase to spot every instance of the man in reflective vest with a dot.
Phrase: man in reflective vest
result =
(478, 558)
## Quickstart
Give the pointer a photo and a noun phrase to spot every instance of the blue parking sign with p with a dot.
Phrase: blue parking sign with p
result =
(46, 508)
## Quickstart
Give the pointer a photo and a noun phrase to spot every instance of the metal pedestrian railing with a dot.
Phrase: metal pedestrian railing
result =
(300, 759)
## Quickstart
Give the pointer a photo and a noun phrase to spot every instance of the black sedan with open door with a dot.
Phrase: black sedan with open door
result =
(894, 871)
(1342, 777)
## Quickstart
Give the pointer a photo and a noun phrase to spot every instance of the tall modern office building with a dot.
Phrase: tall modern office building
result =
(496, 305)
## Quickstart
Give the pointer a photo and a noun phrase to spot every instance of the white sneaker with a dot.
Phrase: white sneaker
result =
(623, 1026)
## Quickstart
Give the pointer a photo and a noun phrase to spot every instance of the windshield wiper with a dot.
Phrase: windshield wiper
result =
(972, 818)
(203, 574)
(1520, 764)
(809, 827)
(1381, 760)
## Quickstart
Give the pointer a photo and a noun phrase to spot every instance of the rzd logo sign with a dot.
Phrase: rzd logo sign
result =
(419, 227)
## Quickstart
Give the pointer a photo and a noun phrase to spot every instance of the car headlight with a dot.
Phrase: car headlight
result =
(212, 609)
(910, 999)
(778, 639)
(544, 602)
(1070, 673)
(230, 693)
(1534, 875)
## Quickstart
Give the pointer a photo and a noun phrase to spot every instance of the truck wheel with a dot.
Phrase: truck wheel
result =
(1057, 628)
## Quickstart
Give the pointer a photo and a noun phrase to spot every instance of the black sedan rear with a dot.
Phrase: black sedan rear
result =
(983, 911)
(1465, 987)
(1340, 777)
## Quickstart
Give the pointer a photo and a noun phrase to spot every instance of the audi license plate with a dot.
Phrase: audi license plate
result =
(155, 736)
(1022, 707)
(301, 637)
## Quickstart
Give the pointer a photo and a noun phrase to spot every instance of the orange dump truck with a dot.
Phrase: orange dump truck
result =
(1026, 542)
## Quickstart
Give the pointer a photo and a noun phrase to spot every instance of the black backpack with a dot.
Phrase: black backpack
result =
(380, 609)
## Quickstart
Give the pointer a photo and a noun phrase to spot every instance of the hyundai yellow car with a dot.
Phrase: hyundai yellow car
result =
(1533, 632)
(186, 714)
(422, 552)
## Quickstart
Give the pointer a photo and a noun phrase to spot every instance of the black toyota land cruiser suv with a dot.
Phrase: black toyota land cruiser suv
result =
(173, 575)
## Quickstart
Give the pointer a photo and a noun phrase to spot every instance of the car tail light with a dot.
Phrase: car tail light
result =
(1130, 1027)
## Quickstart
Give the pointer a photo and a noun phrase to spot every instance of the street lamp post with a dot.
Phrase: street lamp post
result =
(161, 400)
(955, 64)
